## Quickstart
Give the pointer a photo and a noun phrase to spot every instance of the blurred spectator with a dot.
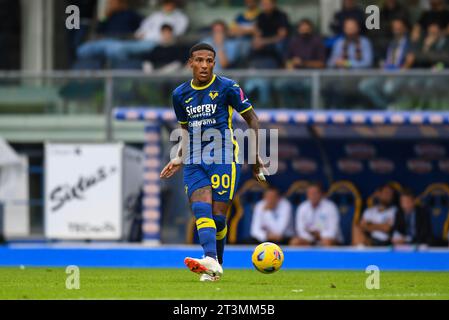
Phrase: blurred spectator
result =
(268, 44)
(272, 218)
(398, 52)
(412, 224)
(167, 55)
(76, 37)
(317, 220)
(150, 28)
(380, 90)
(120, 20)
(305, 51)
(390, 11)
(227, 49)
(438, 14)
(376, 225)
(352, 51)
(433, 50)
(146, 37)
(271, 34)
(243, 27)
(350, 10)
(430, 52)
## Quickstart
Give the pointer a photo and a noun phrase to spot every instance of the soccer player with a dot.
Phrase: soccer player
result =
(206, 104)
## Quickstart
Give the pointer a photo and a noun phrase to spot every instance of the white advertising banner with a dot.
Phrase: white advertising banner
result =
(83, 191)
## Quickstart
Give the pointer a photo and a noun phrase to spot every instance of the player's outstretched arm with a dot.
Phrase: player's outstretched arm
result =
(175, 164)
(171, 168)
(253, 123)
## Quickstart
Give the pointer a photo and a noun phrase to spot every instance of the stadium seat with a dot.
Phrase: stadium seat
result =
(371, 201)
(436, 197)
(244, 201)
(446, 229)
(296, 193)
(349, 202)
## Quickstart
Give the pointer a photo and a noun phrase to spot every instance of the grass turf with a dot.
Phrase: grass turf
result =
(105, 283)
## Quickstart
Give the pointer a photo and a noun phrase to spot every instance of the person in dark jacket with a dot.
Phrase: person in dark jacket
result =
(412, 222)
(350, 10)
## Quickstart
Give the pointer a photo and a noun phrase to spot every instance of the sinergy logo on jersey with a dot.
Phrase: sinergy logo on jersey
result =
(204, 110)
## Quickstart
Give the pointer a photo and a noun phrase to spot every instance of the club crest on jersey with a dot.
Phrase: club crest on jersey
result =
(213, 94)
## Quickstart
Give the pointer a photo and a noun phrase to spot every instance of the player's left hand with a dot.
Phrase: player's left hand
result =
(259, 170)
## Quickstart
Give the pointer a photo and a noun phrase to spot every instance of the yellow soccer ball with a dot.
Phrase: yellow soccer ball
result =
(268, 257)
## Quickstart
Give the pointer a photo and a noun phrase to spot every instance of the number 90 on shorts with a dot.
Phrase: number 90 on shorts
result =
(223, 179)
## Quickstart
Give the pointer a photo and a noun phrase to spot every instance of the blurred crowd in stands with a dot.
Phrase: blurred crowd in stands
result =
(392, 219)
(263, 37)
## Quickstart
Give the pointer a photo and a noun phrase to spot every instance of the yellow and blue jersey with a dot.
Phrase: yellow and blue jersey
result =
(210, 107)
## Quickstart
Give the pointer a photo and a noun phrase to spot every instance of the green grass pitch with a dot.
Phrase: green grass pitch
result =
(107, 283)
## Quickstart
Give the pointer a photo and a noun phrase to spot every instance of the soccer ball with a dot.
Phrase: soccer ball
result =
(267, 257)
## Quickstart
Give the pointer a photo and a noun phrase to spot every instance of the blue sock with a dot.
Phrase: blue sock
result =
(206, 228)
(222, 230)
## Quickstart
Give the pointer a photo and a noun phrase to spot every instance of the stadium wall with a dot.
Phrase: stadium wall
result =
(26, 255)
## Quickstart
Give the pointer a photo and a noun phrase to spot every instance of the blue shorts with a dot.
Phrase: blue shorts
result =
(223, 178)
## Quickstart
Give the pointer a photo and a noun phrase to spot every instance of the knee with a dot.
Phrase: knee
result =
(201, 195)
(115, 51)
(84, 50)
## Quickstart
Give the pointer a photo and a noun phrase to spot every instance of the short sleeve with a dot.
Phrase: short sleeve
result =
(237, 99)
(179, 110)
(366, 216)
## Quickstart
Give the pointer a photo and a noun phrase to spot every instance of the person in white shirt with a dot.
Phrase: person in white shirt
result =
(377, 222)
(147, 36)
(149, 29)
(317, 220)
(272, 218)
